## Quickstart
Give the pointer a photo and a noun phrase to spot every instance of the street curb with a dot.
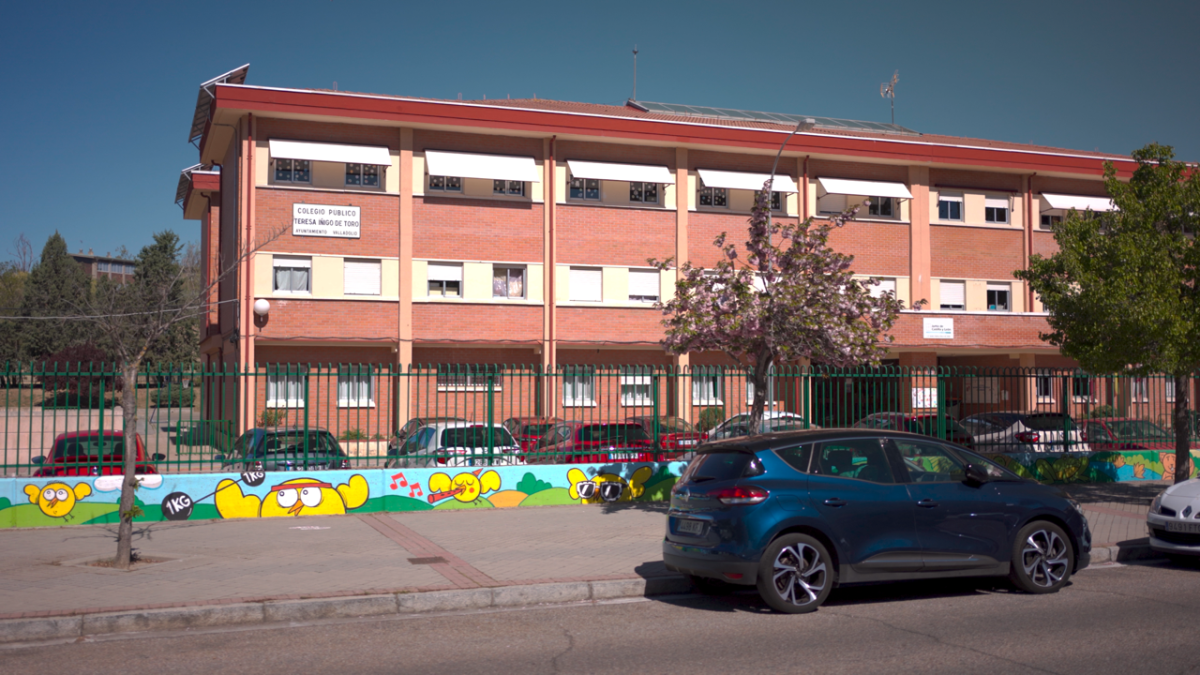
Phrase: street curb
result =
(1127, 553)
(283, 611)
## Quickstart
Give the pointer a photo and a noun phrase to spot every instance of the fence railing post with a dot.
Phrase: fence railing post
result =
(941, 404)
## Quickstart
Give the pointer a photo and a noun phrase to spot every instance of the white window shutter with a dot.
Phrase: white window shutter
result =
(643, 283)
(954, 293)
(996, 202)
(362, 277)
(885, 286)
(998, 287)
(445, 271)
(586, 285)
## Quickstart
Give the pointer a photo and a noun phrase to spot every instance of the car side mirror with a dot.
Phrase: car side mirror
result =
(158, 457)
(38, 460)
(975, 474)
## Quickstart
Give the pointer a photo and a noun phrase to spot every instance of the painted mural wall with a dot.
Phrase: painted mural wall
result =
(83, 500)
(1095, 467)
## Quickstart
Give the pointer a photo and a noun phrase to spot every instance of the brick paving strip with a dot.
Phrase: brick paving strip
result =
(455, 569)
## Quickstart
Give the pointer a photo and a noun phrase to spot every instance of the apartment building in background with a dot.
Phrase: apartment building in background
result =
(349, 228)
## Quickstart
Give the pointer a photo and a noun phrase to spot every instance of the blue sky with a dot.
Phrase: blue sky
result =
(99, 96)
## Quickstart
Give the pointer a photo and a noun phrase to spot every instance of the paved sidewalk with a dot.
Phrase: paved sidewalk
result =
(43, 572)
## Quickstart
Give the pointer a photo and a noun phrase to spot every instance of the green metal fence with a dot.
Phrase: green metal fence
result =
(60, 419)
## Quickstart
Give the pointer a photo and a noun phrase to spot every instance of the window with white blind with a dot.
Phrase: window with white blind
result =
(292, 274)
(586, 284)
(356, 387)
(950, 207)
(770, 393)
(995, 209)
(643, 285)
(1139, 391)
(636, 388)
(445, 280)
(706, 390)
(362, 277)
(885, 286)
(999, 297)
(953, 294)
(579, 389)
(285, 389)
(1169, 388)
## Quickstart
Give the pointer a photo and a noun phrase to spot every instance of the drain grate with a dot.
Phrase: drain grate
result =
(427, 561)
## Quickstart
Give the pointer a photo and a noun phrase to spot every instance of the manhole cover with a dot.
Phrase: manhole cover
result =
(427, 561)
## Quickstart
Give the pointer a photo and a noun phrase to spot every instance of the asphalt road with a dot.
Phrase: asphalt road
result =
(1121, 619)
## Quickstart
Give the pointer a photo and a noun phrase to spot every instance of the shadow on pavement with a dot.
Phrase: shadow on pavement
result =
(648, 507)
(1140, 492)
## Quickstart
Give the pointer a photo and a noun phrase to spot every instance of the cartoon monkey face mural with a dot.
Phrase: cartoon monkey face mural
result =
(296, 497)
(57, 499)
(607, 487)
(465, 487)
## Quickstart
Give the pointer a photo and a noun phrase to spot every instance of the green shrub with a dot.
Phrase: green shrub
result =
(353, 435)
(271, 417)
(174, 396)
(709, 418)
(1102, 411)
(76, 399)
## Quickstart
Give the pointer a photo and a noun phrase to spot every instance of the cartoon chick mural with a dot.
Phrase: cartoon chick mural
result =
(607, 487)
(296, 497)
(465, 487)
(57, 499)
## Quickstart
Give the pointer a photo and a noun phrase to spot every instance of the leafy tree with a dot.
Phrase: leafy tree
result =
(780, 303)
(12, 294)
(56, 287)
(1123, 291)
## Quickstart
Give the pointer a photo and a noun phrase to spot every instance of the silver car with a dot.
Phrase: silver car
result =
(1024, 432)
(1174, 519)
(772, 420)
(457, 444)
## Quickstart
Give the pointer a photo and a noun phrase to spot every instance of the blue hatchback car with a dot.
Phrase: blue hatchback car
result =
(798, 513)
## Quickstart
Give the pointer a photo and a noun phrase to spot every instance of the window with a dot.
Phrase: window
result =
(999, 297)
(776, 201)
(645, 193)
(293, 171)
(364, 175)
(858, 458)
(706, 390)
(362, 277)
(285, 389)
(585, 188)
(445, 183)
(929, 462)
(586, 284)
(1045, 388)
(292, 275)
(1138, 390)
(1049, 221)
(356, 387)
(995, 210)
(953, 294)
(1169, 385)
(885, 286)
(469, 377)
(715, 197)
(880, 207)
(508, 282)
(515, 188)
(579, 388)
(643, 285)
(1081, 388)
(950, 207)
(445, 280)
(636, 387)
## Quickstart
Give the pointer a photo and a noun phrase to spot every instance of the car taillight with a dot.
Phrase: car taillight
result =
(257, 466)
(740, 495)
(345, 464)
(704, 436)
(1028, 437)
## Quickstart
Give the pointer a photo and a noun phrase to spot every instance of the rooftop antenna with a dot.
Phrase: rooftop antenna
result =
(888, 90)
(635, 72)
(335, 85)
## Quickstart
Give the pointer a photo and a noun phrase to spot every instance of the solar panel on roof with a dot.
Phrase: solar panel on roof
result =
(757, 116)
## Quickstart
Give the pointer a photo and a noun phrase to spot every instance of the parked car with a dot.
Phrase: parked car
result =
(772, 420)
(458, 444)
(412, 425)
(799, 513)
(528, 431)
(1126, 433)
(593, 442)
(924, 424)
(285, 449)
(1024, 432)
(1174, 519)
(92, 453)
(673, 433)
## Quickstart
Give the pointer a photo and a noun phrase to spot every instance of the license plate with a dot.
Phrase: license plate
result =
(685, 443)
(689, 526)
(621, 457)
(1174, 526)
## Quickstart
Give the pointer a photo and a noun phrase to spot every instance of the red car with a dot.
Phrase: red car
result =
(92, 453)
(925, 424)
(675, 435)
(528, 431)
(593, 442)
(1125, 433)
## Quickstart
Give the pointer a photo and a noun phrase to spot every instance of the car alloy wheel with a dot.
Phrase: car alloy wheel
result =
(795, 574)
(1042, 558)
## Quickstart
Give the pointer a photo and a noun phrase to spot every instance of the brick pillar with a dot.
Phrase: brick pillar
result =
(404, 322)
(683, 392)
(547, 396)
(918, 238)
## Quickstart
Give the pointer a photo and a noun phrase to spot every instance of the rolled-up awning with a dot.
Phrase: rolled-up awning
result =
(738, 180)
(866, 188)
(472, 165)
(1078, 202)
(330, 152)
(634, 173)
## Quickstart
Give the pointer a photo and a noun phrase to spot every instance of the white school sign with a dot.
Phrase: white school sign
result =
(321, 220)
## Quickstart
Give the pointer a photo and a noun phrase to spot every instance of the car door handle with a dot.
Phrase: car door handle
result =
(835, 502)
(927, 503)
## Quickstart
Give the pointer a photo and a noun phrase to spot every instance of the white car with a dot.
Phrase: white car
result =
(1174, 519)
(1024, 432)
(458, 444)
(772, 420)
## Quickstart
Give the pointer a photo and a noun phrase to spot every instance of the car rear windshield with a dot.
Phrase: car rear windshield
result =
(74, 448)
(536, 429)
(670, 425)
(1048, 422)
(1137, 430)
(718, 466)
(612, 433)
(299, 442)
(475, 437)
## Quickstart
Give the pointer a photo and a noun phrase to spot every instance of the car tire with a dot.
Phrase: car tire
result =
(1042, 558)
(796, 574)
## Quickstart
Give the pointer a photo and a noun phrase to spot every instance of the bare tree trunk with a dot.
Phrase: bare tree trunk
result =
(760, 378)
(1183, 428)
(129, 468)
